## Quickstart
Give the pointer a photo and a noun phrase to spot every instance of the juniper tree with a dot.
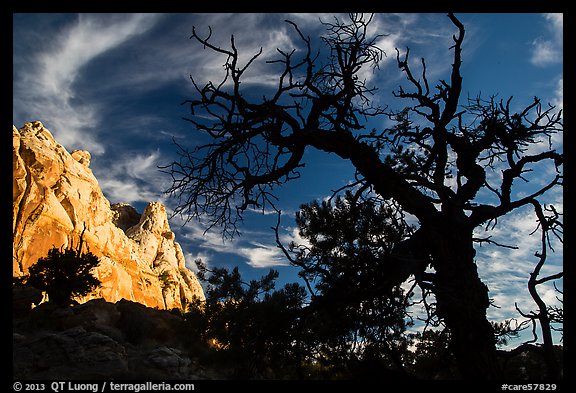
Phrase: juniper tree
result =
(65, 273)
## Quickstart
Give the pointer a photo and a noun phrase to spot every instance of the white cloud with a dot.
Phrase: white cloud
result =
(506, 271)
(547, 51)
(263, 256)
(195, 232)
(388, 45)
(292, 234)
(257, 248)
(133, 178)
(117, 190)
(191, 258)
(556, 23)
(141, 166)
(558, 100)
(208, 66)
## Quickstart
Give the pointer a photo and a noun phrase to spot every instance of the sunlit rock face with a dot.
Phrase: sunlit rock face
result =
(56, 196)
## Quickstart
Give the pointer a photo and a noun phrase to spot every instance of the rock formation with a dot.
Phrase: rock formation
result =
(55, 195)
(101, 340)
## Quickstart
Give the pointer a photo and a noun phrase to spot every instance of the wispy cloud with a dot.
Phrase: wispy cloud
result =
(133, 178)
(506, 271)
(88, 38)
(263, 256)
(46, 91)
(257, 247)
(268, 34)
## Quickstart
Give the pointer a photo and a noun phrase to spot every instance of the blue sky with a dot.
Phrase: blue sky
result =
(113, 84)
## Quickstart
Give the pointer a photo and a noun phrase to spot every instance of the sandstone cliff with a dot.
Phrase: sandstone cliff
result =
(55, 195)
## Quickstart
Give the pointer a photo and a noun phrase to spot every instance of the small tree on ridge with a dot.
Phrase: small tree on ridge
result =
(65, 274)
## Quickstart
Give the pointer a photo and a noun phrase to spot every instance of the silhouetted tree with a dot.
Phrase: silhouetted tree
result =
(433, 161)
(65, 274)
(356, 314)
(431, 357)
(250, 323)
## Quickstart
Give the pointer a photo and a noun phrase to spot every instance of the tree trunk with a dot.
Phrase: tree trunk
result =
(461, 297)
(552, 366)
(462, 300)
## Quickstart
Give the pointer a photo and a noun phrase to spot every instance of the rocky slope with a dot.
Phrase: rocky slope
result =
(102, 340)
(55, 195)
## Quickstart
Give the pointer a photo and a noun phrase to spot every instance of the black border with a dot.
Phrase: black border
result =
(463, 6)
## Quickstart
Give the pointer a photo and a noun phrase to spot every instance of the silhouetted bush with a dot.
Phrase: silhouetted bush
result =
(252, 328)
(65, 274)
